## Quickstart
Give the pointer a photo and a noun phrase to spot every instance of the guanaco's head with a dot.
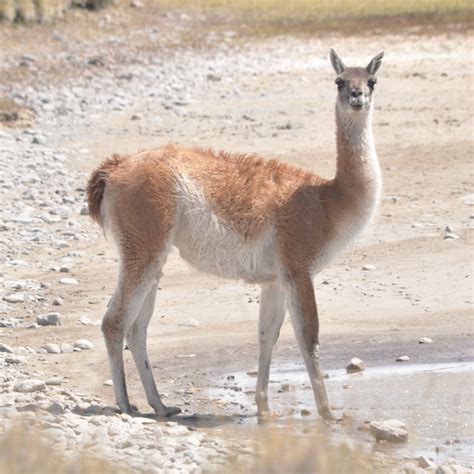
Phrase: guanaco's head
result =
(355, 84)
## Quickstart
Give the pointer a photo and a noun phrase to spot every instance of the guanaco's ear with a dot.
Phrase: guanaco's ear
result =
(336, 62)
(375, 64)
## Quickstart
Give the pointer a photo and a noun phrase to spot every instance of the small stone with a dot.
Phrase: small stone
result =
(85, 321)
(55, 408)
(54, 381)
(66, 348)
(49, 319)
(14, 298)
(425, 340)
(57, 302)
(305, 412)
(83, 344)
(51, 348)
(178, 430)
(30, 385)
(347, 386)
(426, 463)
(389, 430)
(84, 210)
(369, 267)
(190, 322)
(108, 383)
(356, 365)
(252, 373)
(5, 348)
(287, 387)
(404, 358)
(68, 281)
(136, 117)
(64, 269)
(186, 356)
(16, 360)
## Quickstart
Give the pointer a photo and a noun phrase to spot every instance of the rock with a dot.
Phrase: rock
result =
(252, 373)
(84, 210)
(55, 381)
(389, 430)
(66, 348)
(178, 430)
(85, 321)
(55, 408)
(356, 365)
(29, 385)
(468, 199)
(286, 387)
(403, 358)
(49, 319)
(83, 344)
(186, 356)
(14, 298)
(68, 281)
(57, 302)
(425, 340)
(347, 386)
(305, 412)
(5, 348)
(369, 267)
(190, 322)
(51, 348)
(16, 360)
(108, 383)
(426, 463)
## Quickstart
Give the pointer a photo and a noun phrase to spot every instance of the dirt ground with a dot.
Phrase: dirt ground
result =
(421, 285)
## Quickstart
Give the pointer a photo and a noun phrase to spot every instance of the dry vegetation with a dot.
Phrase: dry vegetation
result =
(25, 450)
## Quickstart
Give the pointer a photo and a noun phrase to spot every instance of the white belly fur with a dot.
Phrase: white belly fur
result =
(212, 246)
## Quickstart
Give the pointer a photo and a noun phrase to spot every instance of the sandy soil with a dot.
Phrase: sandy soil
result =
(422, 283)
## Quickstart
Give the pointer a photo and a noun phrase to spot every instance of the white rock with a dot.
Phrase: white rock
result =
(425, 340)
(178, 430)
(14, 298)
(51, 348)
(83, 344)
(16, 360)
(108, 383)
(30, 385)
(356, 365)
(186, 356)
(68, 281)
(389, 430)
(426, 463)
(403, 358)
(190, 322)
(54, 381)
(66, 348)
(369, 267)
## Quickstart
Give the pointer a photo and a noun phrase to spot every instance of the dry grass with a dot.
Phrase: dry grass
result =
(24, 450)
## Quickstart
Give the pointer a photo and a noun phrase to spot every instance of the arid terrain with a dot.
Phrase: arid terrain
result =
(409, 277)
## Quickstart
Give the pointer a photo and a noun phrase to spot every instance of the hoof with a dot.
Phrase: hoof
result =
(326, 413)
(166, 412)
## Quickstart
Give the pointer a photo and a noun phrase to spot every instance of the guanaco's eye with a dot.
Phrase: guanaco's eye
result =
(339, 83)
(371, 82)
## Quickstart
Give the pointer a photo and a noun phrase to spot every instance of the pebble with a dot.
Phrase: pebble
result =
(425, 340)
(305, 412)
(66, 348)
(403, 358)
(57, 302)
(369, 267)
(356, 365)
(108, 383)
(30, 385)
(52, 348)
(14, 298)
(83, 344)
(287, 387)
(389, 430)
(49, 319)
(5, 348)
(426, 463)
(16, 360)
(54, 381)
(68, 281)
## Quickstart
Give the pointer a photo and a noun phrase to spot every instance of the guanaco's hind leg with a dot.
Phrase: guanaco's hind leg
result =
(304, 317)
(271, 315)
(123, 308)
(136, 341)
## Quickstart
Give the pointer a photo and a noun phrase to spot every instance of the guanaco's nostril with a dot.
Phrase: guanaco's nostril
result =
(356, 92)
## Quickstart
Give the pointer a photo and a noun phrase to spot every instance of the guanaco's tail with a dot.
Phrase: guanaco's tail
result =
(97, 183)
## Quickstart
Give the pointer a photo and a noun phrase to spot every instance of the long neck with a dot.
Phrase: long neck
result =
(358, 172)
